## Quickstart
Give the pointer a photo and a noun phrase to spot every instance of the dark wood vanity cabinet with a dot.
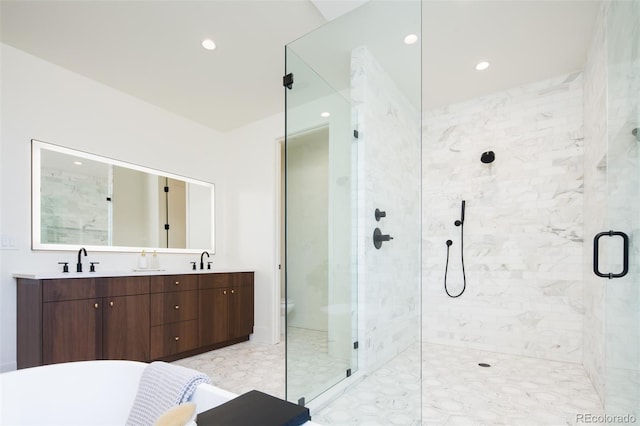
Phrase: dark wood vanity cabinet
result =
(140, 318)
(174, 315)
(71, 331)
(66, 310)
(226, 307)
(241, 308)
(85, 319)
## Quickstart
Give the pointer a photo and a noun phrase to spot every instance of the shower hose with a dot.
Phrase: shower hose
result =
(446, 268)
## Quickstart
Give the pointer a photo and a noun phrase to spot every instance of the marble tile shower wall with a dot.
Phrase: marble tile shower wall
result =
(524, 221)
(388, 179)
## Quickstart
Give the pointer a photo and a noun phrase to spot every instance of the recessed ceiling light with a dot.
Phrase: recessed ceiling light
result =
(325, 114)
(482, 65)
(410, 39)
(77, 163)
(208, 44)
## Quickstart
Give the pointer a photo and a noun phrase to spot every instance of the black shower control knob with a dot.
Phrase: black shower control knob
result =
(380, 214)
(379, 238)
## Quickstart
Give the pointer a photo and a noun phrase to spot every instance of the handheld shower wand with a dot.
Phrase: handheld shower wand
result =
(459, 223)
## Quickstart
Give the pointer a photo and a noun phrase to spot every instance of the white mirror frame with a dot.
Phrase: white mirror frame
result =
(36, 212)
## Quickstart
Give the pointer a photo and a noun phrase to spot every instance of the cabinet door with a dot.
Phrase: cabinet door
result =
(71, 331)
(126, 328)
(171, 339)
(213, 315)
(240, 311)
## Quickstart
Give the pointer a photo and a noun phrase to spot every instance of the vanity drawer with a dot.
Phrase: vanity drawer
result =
(220, 280)
(174, 338)
(123, 286)
(165, 283)
(173, 307)
(69, 289)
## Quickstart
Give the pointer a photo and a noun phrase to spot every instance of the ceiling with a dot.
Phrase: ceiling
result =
(151, 49)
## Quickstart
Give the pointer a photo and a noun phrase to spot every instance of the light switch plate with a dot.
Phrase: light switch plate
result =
(7, 242)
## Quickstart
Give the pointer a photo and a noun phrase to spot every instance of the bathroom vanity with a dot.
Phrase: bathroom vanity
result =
(140, 317)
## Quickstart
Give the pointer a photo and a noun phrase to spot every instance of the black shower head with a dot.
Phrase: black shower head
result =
(488, 157)
(449, 242)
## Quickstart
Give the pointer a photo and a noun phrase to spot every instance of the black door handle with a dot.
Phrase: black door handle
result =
(625, 254)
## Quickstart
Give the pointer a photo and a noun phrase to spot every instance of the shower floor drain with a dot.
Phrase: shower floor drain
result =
(484, 364)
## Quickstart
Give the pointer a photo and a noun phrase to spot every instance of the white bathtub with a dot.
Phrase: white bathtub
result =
(81, 393)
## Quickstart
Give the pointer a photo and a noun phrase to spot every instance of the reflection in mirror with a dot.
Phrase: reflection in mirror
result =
(105, 204)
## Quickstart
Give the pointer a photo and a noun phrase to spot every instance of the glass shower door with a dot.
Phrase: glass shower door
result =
(319, 223)
(353, 216)
(622, 366)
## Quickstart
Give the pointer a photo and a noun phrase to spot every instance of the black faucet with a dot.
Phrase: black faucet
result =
(79, 265)
(202, 258)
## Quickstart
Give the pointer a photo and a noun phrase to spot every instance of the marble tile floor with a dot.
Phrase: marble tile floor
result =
(515, 390)
(312, 369)
(243, 367)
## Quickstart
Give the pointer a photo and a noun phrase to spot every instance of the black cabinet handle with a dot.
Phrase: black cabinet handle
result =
(625, 254)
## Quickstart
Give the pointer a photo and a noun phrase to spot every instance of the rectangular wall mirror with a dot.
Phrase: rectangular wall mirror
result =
(81, 199)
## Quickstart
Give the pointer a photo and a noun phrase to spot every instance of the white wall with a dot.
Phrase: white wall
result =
(307, 224)
(252, 158)
(43, 101)
(523, 224)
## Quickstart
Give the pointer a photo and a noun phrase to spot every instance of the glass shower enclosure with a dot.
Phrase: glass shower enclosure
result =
(353, 202)
(622, 295)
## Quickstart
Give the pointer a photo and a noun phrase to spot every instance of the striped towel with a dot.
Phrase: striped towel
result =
(161, 387)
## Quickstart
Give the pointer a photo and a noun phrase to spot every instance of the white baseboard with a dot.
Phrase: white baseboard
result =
(10, 366)
(262, 335)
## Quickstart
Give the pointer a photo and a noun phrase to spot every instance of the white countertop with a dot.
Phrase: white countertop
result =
(124, 273)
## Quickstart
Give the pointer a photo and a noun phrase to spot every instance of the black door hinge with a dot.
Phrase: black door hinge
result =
(355, 134)
(348, 372)
(287, 81)
(166, 226)
(166, 189)
(355, 345)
